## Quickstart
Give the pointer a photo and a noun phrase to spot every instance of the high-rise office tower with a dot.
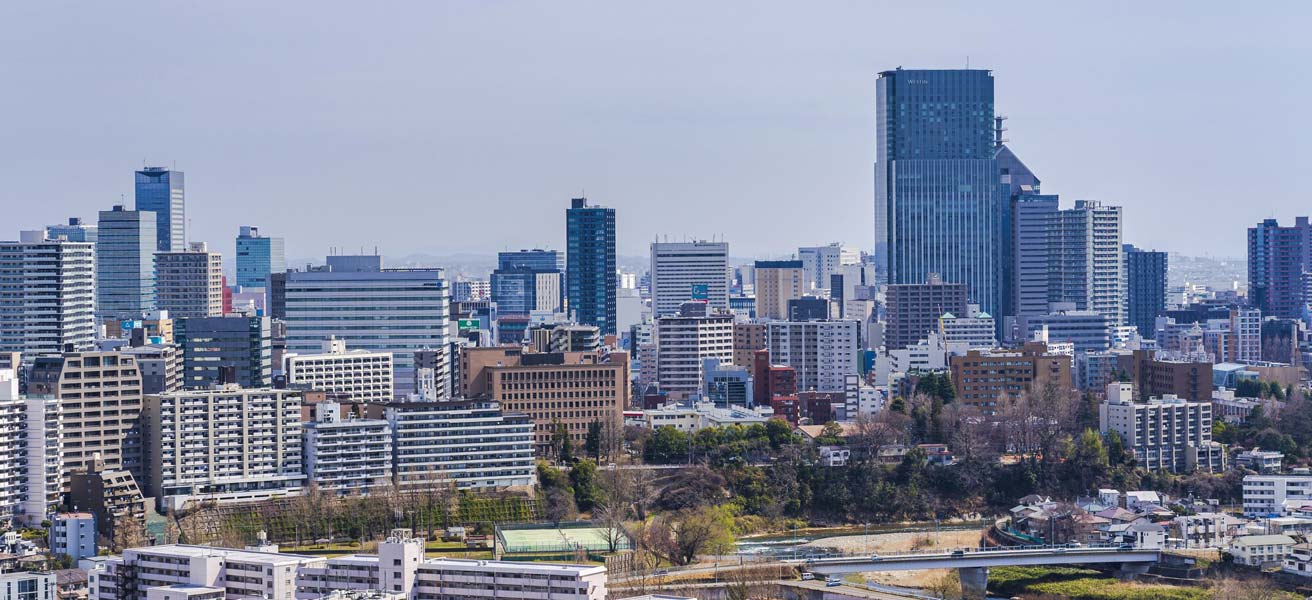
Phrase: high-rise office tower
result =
(528, 280)
(372, 308)
(777, 282)
(160, 191)
(820, 262)
(125, 264)
(1032, 216)
(190, 283)
(1277, 259)
(939, 202)
(74, 231)
(591, 265)
(1024, 259)
(228, 349)
(1145, 288)
(683, 271)
(258, 256)
(47, 294)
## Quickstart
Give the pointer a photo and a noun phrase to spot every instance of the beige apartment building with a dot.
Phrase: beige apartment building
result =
(777, 282)
(100, 398)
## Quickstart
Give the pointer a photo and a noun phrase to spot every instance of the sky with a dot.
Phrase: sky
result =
(466, 127)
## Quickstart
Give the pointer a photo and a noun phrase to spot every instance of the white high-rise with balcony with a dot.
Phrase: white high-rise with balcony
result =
(346, 455)
(47, 295)
(363, 374)
(226, 444)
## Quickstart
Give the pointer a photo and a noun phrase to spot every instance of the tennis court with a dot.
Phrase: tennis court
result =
(557, 539)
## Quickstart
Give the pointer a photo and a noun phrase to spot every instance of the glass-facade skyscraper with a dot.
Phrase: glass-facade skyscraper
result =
(74, 231)
(1145, 288)
(125, 263)
(258, 256)
(528, 280)
(590, 265)
(161, 191)
(940, 206)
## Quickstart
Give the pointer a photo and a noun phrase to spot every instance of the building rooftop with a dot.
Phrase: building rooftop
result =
(225, 553)
(512, 567)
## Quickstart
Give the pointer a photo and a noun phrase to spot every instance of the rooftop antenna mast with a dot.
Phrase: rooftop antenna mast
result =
(998, 140)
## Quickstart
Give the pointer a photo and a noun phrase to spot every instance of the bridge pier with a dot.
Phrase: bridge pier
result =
(974, 582)
(1128, 571)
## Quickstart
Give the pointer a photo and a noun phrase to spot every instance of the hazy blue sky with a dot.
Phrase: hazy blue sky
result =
(444, 127)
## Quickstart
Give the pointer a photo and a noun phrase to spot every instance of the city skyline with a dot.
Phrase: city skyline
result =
(467, 108)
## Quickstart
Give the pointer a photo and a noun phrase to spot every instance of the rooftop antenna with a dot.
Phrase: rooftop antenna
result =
(967, 61)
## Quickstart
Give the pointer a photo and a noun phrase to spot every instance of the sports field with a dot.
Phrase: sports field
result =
(555, 540)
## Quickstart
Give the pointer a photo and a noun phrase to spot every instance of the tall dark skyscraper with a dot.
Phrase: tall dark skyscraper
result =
(590, 264)
(1278, 257)
(161, 191)
(940, 206)
(1145, 288)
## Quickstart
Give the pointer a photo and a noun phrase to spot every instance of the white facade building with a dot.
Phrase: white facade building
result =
(227, 444)
(239, 574)
(29, 586)
(702, 415)
(683, 341)
(1203, 530)
(44, 464)
(683, 271)
(460, 579)
(976, 330)
(1164, 433)
(396, 311)
(365, 375)
(819, 262)
(1261, 550)
(13, 447)
(47, 295)
(391, 571)
(471, 443)
(1266, 494)
(346, 456)
(398, 571)
(1246, 329)
(823, 353)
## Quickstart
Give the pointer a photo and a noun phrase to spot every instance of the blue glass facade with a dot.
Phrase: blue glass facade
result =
(940, 206)
(74, 231)
(538, 260)
(257, 257)
(515, 283)
(1145, 288)
(161, 191)
(212, 344)
(591, 265)
(125, 263)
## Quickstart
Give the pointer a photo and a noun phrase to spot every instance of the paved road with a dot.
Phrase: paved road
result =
(845, 589)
